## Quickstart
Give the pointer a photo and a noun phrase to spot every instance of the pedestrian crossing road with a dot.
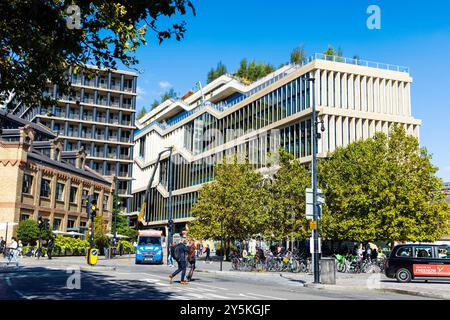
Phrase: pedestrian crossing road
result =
(152, 283)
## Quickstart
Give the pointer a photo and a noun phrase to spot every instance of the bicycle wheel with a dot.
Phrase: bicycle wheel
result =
(341, 267)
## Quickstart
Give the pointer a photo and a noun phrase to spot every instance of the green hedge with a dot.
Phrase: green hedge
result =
(69, 246)
(126, 246)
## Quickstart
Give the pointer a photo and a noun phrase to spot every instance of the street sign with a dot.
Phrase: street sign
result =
(311, 245)
(312, 225)
(309, 203)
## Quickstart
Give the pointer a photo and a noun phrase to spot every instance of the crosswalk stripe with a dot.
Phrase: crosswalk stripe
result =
(263, 296)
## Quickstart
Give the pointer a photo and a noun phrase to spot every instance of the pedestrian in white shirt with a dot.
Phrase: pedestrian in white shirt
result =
(14, 250)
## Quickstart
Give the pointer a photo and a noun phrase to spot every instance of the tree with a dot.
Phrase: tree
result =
(28, 231)
(298, 55)
(250, 72)
(170, 94)
(213, 74)
(236, 199)
(101, 240)
(39, 40)
(142, 113)
(154, 104)
(287, 200)
(330, 53)
(385, 189)
(121, 222)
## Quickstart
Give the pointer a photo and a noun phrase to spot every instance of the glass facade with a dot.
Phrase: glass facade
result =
(207, 132)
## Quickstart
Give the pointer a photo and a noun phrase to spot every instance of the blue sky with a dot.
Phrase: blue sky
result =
(413, 33)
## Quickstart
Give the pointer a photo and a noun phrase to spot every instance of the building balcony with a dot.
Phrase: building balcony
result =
(114, 104)
(123, 174)
(99, 137)
(126, 123)
(86, 135)
(89, 100)
(123, 139)
(128, 89)
(87, 118)
(110, 172)
(115, 87)
(98, 154)
(114, 121)
(101, 119)
(127, 106)
(124, 156)
(74, 115)
(122, 191)
(113, 138)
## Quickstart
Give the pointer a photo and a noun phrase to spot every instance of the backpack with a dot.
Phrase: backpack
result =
(177, 251)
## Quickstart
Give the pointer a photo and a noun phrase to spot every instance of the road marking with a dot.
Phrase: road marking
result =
(246, 296)
(155, 282)
(8, 281)
(263, 296)
(216, 296)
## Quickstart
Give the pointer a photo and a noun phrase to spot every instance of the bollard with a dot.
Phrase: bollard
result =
(328, 272)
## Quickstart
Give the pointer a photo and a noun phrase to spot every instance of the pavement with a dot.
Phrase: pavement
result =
(349, 283)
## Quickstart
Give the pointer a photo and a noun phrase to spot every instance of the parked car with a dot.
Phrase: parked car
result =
(418, 262)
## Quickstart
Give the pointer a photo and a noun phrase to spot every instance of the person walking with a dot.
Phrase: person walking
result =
(171, 253)
(2, 245)
(191, 259)
(50, 245)
(180, 252)
(13, 254)
(208, 252)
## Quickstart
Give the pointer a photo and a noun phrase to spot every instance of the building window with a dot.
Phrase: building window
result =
(142, 147)
(27, 183)
(56, 224)
(73, 194)
(105, 202)
(24, 217)
(70, 224)
(59, 191)
(45, 188)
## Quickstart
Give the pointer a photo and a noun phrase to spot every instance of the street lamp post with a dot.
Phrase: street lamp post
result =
(115, 221)
(221, 244)
(169, 211)
(314, 184)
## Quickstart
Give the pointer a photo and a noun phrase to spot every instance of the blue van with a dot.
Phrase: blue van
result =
(149, 247)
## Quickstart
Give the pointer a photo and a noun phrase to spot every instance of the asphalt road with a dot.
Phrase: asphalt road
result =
(144, 282)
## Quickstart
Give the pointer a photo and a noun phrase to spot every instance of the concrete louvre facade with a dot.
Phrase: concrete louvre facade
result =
(100, 117)
(37, 178)
(353, 98)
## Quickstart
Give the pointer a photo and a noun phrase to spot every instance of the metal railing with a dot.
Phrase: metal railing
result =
(276, 77)
(360, 62)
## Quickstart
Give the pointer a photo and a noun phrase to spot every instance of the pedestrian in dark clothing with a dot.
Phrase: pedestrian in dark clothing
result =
(50, 245)
(374, 255)
(180, 252)
(208, 252)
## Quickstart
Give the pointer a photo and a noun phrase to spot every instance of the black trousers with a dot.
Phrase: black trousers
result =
(181, 268)
(49, 252)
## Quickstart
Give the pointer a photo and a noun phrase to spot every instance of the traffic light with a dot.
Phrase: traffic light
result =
(40, 224)
(170, 225)
(94, 210)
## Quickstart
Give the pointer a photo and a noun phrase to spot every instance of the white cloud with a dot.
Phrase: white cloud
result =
(446, 169)
(140, 93)
(165, 85)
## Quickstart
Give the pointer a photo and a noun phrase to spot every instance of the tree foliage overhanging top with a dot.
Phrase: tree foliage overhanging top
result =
(36, 44)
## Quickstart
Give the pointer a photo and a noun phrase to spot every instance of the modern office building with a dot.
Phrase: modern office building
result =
(99, 117)
(39, 179)
(354, 98)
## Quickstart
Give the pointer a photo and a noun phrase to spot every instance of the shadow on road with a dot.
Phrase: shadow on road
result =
(73, 284)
